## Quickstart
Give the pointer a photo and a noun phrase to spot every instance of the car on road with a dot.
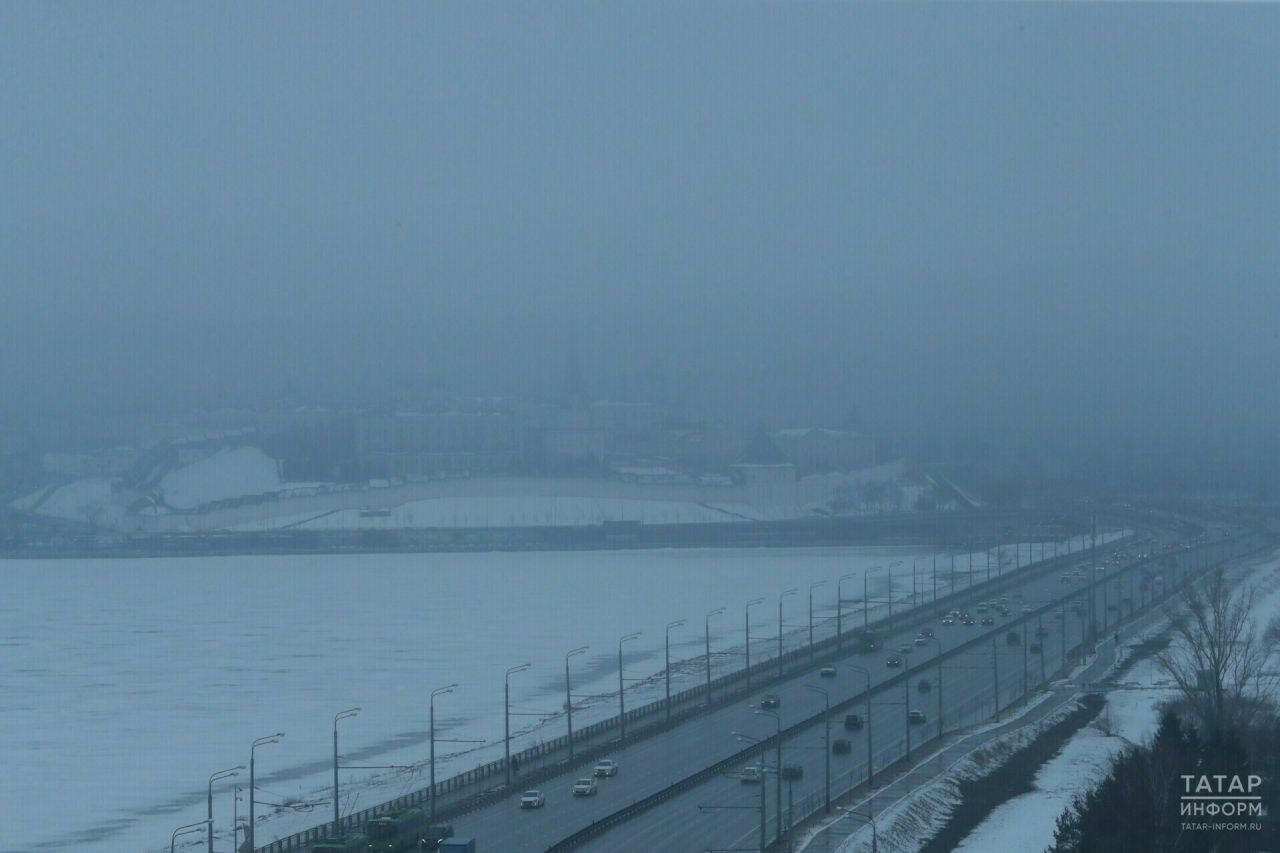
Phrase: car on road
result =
(924, 686)
(606, 767)
(987, 620)
(894, 661)
(1013, 638)
(585, 787)
(905, 648)
(1026, 608)
(947, 620)
(927, 633)
(750, 775)
(916, 717)
(852, 722)
(968, 620)
(840, 746)
(533, 800)
(921, 641)
(770, 700)
(827, 672)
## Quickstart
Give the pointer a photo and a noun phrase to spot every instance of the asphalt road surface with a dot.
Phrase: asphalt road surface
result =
(968, 688)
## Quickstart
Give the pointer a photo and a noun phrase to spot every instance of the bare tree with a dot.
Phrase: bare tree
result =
(1218, 658)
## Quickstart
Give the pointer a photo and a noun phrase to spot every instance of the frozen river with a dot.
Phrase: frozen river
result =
(124, 684)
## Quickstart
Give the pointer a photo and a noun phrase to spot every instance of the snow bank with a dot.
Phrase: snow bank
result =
(227, 474)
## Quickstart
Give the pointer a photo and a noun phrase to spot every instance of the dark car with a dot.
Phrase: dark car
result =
(987, 620)
(916, 717)
(894, 661)
(924, 686)
(769, 700)
(1035, 649)
(840, 746)
(1013, 638)
(852, 722)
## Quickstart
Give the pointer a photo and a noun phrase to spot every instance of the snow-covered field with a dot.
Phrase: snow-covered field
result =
(508, 511)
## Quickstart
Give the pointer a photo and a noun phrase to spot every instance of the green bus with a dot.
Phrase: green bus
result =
(396, 831)
(356, 843)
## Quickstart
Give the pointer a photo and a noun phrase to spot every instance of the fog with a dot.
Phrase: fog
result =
(1026, 221)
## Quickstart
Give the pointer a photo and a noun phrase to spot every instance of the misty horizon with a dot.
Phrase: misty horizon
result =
(1031, 222)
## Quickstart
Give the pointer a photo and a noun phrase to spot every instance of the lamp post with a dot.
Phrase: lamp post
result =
(869, 818)
(764, 773)
(431, 729)
(350, 712)
(826, 718)
(866, 596)
(784, 594)
(840, 608)
(506, 718)
(568, 695)
(867, 675)
(667, 662)
(747, 610)
(622, 707)
(188, 829)
(812, 587)
(262, 741)
(221, 774)
(889, 572)
(777, 836)
(706, 626)
(915, 602)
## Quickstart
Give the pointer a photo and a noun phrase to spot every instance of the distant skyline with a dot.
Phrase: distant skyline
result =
(1036, 222)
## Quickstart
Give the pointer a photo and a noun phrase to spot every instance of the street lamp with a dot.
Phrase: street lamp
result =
(840, 608)
(812, 587)
(867, 675)
(747, 610)
(826, 718)
(188, 829)
(350, 712)
(764, 771)
(706, 624)
(622, 708)
(784, 594)
(568, 695)
(889, 572)
(667, 668)
(777, 836)
(221, 774)
(506, 717)
(869, 818)
(866, 597)
(262, 741)
(431, 737)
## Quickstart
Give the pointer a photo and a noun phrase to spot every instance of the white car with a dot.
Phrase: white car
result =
(533, 800)
(584, 787)
(606, 767)
(750, 774)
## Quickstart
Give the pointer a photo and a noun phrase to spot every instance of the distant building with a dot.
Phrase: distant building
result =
(768, 478)
(410, 445)
(818, 451)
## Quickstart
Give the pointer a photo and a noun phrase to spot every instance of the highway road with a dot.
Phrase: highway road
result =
(684, 823)
(650, 765)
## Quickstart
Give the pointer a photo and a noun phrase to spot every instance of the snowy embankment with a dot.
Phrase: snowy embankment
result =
(1132, 713)
(908, 824)
(1027, 822)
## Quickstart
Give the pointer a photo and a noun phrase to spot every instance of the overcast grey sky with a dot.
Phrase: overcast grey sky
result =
(1056, 219)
